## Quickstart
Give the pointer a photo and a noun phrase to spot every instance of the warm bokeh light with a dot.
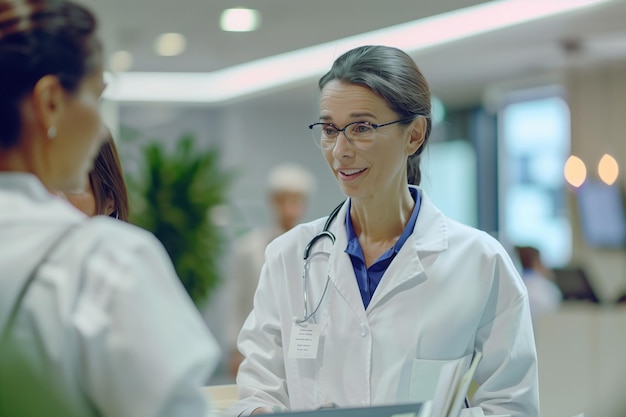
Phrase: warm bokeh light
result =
(575, 171)
(240, 19)
(170, 44)
(121, 61)
(608, 169)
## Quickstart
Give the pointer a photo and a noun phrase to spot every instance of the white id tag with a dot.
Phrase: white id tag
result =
(305, 340)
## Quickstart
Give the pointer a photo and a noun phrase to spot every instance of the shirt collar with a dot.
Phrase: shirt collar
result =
(354, 248)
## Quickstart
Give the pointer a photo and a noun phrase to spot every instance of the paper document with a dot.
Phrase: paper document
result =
(444, 383)
(458, 397)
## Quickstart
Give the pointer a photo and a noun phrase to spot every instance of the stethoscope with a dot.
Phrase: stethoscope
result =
(325, 233)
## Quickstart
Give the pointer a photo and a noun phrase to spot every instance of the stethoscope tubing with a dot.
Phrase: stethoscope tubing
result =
(325, 233)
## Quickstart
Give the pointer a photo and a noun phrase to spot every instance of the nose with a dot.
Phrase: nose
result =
(343, 148)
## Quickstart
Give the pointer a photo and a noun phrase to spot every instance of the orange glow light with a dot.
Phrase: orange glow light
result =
(575, 171)
(608, 169)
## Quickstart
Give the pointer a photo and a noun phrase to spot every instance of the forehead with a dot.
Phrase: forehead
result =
(341, 99)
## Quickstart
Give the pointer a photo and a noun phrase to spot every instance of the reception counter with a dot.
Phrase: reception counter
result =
(582, 361)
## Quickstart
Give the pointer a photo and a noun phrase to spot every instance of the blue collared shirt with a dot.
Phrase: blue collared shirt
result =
(369, 278)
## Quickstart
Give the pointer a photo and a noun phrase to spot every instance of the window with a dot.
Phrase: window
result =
(534, 143)
(449, 179)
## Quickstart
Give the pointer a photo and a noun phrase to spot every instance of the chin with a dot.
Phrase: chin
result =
(351, 192)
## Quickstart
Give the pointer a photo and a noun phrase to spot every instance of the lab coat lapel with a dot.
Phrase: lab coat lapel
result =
(429, 236)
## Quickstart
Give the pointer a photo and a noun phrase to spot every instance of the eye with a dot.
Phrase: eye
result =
(362, 128)
(329, 130)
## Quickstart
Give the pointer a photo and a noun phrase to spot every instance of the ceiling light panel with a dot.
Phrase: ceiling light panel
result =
(240, 19)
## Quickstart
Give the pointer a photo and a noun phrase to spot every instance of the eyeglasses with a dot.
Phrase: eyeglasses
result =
(361, 135)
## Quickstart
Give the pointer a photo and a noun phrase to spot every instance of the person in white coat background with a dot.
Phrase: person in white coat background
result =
(289, 188)
(394, 288)
(93, 319)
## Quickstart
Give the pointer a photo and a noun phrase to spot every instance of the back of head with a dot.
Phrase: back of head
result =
(38, 38)
(107, 181)
(392, 75)
(528, 256)
(289, 186)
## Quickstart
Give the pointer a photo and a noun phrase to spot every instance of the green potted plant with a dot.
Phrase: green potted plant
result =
(174, 195)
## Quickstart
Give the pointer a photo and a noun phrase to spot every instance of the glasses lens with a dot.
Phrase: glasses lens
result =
(324, 136)
(361, 135)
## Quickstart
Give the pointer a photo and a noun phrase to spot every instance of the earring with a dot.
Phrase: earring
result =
(52, 132)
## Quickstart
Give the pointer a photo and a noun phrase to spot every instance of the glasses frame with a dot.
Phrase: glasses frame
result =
(374, 126)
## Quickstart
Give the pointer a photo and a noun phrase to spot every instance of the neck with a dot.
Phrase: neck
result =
(13, 161)
(381, 218)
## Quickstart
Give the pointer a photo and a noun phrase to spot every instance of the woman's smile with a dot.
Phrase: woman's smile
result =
(350, 174)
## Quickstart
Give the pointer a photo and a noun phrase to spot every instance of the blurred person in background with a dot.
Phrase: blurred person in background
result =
(289, 187)
(93, 319)
(544, 296)
(105, 193)
(396, 298)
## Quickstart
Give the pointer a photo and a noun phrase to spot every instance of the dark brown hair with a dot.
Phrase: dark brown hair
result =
(107, 181)
(39, 38)
(528, 256)
(394, 76)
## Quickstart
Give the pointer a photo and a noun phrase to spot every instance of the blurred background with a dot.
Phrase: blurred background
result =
(529, 141)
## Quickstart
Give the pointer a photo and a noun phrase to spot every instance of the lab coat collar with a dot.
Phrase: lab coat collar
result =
(25, 201)
(23, 183)
(429, 236)
(431, 228)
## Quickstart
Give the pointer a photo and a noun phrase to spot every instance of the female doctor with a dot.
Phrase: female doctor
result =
(93, 320)
(394, 294)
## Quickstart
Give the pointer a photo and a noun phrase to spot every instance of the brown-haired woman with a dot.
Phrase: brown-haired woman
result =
(105, 193)
(93, 320)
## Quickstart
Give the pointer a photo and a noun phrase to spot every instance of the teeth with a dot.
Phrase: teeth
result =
(351, 171)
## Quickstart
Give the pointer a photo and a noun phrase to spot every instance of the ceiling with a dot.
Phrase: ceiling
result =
(458, 72)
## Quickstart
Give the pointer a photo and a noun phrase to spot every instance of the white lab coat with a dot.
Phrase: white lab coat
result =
(106, 328)
(450, 291)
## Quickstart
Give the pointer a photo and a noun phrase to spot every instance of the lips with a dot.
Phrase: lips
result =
(350, 173)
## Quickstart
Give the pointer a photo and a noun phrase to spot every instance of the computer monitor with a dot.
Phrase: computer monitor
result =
(574, 284)
(601, 211)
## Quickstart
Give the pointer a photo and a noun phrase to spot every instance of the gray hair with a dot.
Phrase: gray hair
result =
(393, 75)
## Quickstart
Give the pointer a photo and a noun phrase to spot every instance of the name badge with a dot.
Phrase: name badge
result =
(305, 340)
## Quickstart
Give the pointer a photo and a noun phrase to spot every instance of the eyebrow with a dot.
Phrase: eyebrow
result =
(352, 115)
(362, 114)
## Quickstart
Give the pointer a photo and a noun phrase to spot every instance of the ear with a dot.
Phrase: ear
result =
(48, 98)
(417, 134)
(109, 206)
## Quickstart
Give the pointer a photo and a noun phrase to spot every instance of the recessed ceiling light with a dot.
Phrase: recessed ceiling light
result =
(170, 44)
(121, 61)
(240, 19)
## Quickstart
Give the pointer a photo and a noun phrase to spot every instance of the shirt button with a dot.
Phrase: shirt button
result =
(363, 329)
